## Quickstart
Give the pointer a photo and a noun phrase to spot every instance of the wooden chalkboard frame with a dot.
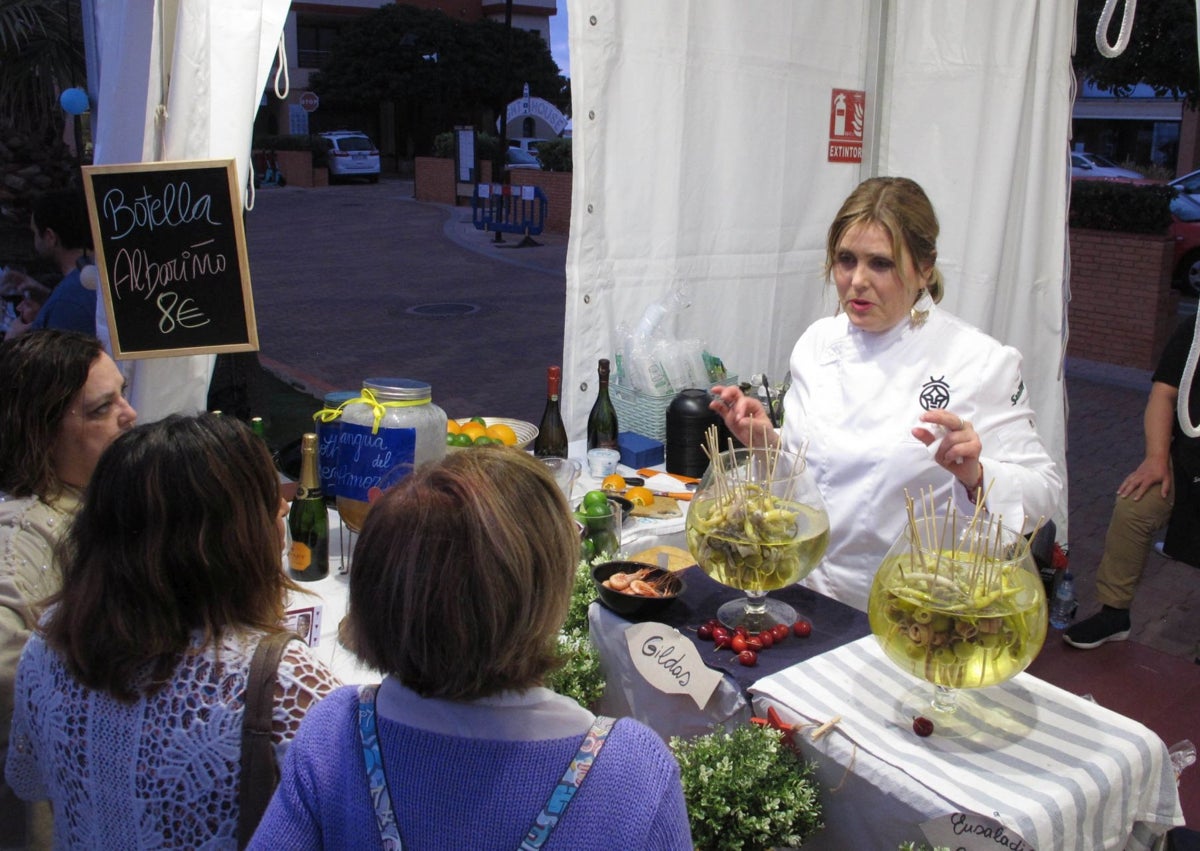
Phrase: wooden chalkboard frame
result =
(171, 250)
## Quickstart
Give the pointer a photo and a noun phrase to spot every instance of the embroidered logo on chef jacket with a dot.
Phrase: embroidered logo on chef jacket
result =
(935, 393)
(1020, 389)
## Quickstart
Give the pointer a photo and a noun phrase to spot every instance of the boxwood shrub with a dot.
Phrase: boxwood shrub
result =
(1116, 206)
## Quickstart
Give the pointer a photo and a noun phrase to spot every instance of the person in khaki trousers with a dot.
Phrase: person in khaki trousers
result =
(1146, 501)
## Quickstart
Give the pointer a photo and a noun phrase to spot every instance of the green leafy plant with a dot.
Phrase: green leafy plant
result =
(555, 154)
(1114, 206)
(747, 790)
(579, 675)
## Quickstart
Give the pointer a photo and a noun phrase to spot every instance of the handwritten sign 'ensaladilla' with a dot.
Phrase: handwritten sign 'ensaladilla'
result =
(172, 255)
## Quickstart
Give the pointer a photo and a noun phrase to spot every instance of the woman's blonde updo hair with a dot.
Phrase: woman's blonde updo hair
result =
(901, 207)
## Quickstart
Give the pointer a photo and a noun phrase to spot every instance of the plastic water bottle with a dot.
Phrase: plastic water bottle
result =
(1062, 609)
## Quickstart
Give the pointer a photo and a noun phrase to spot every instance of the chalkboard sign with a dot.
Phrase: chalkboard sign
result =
(172, 255)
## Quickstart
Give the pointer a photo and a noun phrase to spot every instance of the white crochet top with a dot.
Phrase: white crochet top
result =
(161, 772)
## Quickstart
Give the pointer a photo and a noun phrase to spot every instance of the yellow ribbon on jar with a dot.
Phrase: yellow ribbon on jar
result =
(378, 409)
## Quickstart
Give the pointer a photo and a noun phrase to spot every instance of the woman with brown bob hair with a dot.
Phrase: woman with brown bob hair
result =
(461, 581)
(130, 699)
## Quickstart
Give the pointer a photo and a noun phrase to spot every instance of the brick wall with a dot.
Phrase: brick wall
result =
(1122, 306)
(434, 181)
(557, 186)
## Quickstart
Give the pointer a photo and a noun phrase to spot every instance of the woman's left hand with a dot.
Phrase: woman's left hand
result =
(959, 450)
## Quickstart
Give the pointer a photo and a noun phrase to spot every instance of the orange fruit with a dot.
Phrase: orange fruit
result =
(640, 496)
(452, 427)
(473, 430)
(502, 433)
(613, 482)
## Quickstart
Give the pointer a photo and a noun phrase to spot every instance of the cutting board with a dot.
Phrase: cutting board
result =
(677, 559)
(663, 506)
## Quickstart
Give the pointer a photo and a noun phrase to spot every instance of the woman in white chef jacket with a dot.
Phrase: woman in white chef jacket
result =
(893, 394)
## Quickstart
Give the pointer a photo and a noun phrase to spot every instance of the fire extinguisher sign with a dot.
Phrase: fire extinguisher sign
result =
(847, 113)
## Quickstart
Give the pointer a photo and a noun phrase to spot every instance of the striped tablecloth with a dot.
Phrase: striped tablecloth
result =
(1054, 769)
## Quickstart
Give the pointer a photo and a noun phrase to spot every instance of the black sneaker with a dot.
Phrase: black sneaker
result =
(1108, 624)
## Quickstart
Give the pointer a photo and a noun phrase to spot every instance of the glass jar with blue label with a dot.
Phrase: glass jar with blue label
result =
(392, 427)
(328, 426)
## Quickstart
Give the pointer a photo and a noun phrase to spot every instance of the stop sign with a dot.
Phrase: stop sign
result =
(309, 101)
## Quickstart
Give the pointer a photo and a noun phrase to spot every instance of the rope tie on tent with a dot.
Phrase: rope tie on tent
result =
(1112, 51)
(281, 71)
(1183, 403)
(164, 83)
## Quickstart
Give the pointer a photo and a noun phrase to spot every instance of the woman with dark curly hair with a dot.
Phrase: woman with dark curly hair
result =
(61, 405)
(130, 698)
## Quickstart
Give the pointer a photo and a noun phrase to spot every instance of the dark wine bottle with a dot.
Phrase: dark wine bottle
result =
(602, 421)
(551, 441)
(308, 555)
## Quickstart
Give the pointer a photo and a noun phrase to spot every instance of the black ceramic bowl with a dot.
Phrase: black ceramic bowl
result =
(631, 606)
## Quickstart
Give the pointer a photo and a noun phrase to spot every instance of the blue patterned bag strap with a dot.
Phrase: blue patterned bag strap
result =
(389, 831)
(571, 780)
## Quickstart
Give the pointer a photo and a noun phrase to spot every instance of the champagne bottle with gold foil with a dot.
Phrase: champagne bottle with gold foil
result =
(308, 555)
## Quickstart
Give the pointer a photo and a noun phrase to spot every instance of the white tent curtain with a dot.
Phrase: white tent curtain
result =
(701, 130)
(178, 80)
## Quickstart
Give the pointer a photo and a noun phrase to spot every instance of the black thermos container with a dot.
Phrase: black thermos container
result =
(688, 418)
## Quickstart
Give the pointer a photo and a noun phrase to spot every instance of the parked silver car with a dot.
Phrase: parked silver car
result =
(1189, 184)
(1084, 164)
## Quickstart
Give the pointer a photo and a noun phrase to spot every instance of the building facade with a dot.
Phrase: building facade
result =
(309, 34)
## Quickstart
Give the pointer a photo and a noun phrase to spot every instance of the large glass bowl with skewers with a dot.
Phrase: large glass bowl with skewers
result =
(958, 602)
(757, 523)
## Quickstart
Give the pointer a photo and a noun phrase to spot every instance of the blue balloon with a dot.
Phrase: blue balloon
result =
(74, 101)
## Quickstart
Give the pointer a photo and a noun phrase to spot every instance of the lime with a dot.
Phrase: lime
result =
(479, 420)
(594, 511)
(596, 499)
(484, 440)
(458, 440)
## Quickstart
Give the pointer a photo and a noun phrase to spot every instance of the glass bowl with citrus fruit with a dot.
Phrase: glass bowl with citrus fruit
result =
(489, 431)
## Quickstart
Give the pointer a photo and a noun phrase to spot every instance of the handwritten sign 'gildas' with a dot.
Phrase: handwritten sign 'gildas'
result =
(172, 255)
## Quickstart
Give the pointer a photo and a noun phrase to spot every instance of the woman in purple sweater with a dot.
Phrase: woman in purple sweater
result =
(462, 577)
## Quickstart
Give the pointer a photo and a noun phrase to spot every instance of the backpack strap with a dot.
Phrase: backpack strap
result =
(259, 772)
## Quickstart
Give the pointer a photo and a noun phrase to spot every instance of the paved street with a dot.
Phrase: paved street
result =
(360, 280)
(342, 274)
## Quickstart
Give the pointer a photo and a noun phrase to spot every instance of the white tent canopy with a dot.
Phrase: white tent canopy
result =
(701, 134)
(178, 80)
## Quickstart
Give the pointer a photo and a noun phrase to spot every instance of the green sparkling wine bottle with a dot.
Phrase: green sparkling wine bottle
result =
(308, 555)
(602, 421)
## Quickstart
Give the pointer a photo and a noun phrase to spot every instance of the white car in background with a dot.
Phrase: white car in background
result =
(350, 153)
(1084, 164)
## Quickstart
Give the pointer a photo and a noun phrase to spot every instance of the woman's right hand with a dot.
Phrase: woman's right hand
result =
(744, 416)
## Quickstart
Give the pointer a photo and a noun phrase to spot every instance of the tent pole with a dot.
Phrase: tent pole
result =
(879, 13)
(91, 52)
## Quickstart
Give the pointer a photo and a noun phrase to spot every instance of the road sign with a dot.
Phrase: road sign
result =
(309, 101)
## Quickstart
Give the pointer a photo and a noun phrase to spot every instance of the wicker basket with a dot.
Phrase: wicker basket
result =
(644, 413)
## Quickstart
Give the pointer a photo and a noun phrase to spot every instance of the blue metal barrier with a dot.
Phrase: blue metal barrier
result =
(508, 209)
